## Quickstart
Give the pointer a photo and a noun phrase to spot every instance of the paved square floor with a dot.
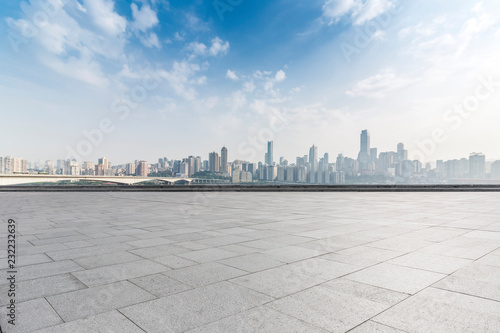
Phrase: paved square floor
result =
(253, 262)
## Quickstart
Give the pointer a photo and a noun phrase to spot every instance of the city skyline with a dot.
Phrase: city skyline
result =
(225, 154)
(119, 78)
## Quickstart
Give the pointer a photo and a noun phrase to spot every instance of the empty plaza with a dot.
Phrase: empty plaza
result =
(252, 262)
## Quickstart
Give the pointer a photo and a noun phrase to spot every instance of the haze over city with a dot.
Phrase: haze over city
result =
(175, 79)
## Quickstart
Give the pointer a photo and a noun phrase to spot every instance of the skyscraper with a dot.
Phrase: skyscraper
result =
(223, 160)
(313, 157)
(402, 152)
(477, 165)
(104, 161)
(269, 154)
(364, 151)
(213, 161)
(142, 169)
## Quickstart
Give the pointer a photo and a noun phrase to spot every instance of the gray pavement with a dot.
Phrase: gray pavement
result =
(253, 262)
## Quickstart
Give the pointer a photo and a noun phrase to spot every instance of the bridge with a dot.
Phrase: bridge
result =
(19, 179)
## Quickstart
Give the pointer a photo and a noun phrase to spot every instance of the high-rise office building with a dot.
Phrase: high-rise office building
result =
(142, 169)
(197, 164)
(364, 151)
(477, 165)
(88, 168)
(223, 160)
(290, 173)
(104, 161)
(269, 154)
(213, 161)
(402, 152)
(495, 170)
(9, 165)
(313, 157)
(130, 169)
(271, 172)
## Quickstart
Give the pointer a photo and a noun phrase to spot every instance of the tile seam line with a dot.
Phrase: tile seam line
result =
(412, 295)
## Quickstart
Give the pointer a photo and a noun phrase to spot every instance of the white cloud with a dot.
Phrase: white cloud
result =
(104, 16)
(219, 47)
(181, 77)
(379, 85)
(237, 100)
(150, 41)
(371, 9)
(335, 9)
(144, 18)
(248, 86)
(359, 11)
(197, 48)
(178, 37)
(82, 69)
(232, 75)
(280, 76)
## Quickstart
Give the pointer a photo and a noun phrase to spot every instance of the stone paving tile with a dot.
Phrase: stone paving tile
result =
(430, 262)
(261, 319)
(293, 253)
(401, 243)
(174, 262)
(366, 291)
(111, 240)
(328, 309)
(91, 301)
(106, 259)
(239, 249)
(44, 269)
(337, 243)
(203, 274)
(362, 255)
(322, 268)
(436, 310)
(492, 259)
(144, 243)
(160, 285)
(86, 252)
(264, 244)
(27, 260)
(277, 282)
(190, 309)
(374, 327)
(108, 322)
(158, 251)
(223, 240)
(474, 279)
(398, 278)
(24, 250)
(30, 316)
(463, 247)
(38, 288)
(208, 255)
(77, 244)
(66, 239)
(119, 272)
(252, 262)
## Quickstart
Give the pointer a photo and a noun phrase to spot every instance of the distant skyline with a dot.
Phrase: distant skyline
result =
(146, 79)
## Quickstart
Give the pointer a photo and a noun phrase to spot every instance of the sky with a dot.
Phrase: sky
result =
(139, 80)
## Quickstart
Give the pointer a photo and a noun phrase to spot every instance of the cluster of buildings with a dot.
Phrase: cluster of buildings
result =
(392, 166)
(9, 165)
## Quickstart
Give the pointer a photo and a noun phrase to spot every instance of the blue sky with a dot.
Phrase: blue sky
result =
(143, 79)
